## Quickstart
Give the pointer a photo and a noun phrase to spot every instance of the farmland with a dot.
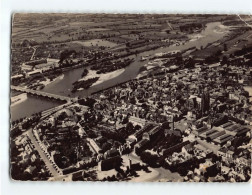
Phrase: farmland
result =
(118, 35)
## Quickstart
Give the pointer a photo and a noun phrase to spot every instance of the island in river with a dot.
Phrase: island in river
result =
(64, 86)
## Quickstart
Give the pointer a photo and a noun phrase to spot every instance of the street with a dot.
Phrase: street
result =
(42, 154)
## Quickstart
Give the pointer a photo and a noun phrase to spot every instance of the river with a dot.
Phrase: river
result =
(64, 86)
(30, 106)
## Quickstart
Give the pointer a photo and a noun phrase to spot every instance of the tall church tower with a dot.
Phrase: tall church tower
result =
(205, 102)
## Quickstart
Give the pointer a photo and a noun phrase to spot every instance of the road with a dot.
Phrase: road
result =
(42, 154)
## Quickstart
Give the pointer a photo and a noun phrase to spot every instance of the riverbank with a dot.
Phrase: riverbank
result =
(221, 29)
(31, 105)
(41, 84)
(18, 99)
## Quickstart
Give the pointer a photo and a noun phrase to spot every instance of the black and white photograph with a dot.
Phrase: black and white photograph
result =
(130, 97)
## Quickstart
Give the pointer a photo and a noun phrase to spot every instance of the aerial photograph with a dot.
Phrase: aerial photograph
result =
(130, 97)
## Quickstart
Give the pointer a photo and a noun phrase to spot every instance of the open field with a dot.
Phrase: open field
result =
(96, 42)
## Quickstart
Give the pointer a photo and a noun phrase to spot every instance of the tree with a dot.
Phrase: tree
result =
(182, 170)
(225, 47)
(224, 60)
(151, 160)
(106, 146)
(166, 125)
(62, 116)
(129, 128)
(87, 102)
(137, 127)
(132, 100)
(208, 139)
(190, 63)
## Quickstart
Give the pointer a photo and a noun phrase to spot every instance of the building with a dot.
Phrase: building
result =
(17, 77)
(205, 102)
(137, 121)
(50, 63)
(31, 64)
(216, 135)
(111, 163)
(111, 153)
(131, 140)
(244, 161)
(41, 64)
(236, 130)
(226, 154)
(139, 133)
(200, 130)
(225, 125)
(141, 146)
(223, 139)
(153, 133)
(93, 145)
(176, 148)
(208, 133)
(33, 73)
(78, 176)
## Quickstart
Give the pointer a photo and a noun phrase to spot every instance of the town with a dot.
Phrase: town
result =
(137, 98)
